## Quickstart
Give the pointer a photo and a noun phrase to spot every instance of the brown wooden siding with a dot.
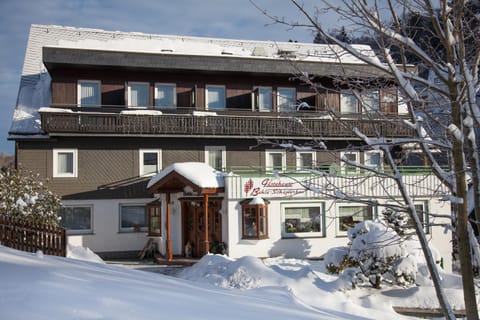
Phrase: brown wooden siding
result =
(109, 168)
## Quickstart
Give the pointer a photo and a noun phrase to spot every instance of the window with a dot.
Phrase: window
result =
(302, 220)
(215, 157)
(150, 161)
(132, 218)
(263, 99)
(374, 159)
(64, 163)
(350, 215)
(254, 218)
(76, 219)
(306, 160)
(154, 219)
(422, 212)
(286, 99)
(347, 168)
(88, 93)
(348, 103)
(138, 95)
(370, 101)
(275, 160)
(165, 96)
(215, 97)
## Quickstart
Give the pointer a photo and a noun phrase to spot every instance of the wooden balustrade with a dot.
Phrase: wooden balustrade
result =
(218, 125)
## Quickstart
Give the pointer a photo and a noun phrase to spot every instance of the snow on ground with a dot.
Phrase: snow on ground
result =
(37, 286)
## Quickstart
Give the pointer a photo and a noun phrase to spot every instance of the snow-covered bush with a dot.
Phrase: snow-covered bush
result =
(25, 197)
(377, 253)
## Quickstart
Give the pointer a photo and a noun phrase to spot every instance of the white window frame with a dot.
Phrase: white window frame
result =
(319, 234)
(129, 94)
(369, 99)
(298, 156)
(132, 229)
(368, 155)
(141, 168)
(346, 167)
(290, 108)
(343, 97)
(257, 106)
(81, 231)
(224, 96)
(340, 233)
(173, 87)
(73, 174)
(223, 150)
(98, 101)
(269, 165)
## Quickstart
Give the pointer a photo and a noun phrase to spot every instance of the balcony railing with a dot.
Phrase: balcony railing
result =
(267, 126)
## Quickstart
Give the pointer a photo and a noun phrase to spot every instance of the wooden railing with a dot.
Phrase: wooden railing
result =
(219, 125)
(30, 237)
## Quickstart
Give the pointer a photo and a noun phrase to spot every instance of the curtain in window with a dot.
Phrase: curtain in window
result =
(89, 94)
(139, 94)
(348, 103)
(65, 162)
(150, 162)
(265, 99)
(215, 159)
(165, 96)
(215, 98)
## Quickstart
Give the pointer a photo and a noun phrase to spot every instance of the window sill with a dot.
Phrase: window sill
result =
(302, 237)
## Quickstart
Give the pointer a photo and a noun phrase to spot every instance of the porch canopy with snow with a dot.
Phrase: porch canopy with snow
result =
(186, 177)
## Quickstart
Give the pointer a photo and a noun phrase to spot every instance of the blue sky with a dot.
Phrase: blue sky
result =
(236, 19)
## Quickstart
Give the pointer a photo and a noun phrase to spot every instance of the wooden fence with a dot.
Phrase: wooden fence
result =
(30, 237)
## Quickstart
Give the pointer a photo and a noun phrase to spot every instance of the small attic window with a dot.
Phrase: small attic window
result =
(286, 53)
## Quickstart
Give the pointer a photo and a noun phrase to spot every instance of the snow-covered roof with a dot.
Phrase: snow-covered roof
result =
(34, 91)
(199, 173)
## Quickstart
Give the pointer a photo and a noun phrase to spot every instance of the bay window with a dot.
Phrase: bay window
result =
(254, 218)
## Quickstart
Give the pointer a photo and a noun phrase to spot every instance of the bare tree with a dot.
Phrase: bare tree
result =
(454, 64)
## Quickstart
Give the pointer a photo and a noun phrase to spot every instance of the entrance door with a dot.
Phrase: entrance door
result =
(193, 213)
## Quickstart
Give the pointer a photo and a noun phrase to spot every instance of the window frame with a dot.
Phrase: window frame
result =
(343, 110)
(55, 162)
(345, 167)
(279, 97)
(261, 211)
(80, 231)
(223, 151)
(367, 156)
(269, 166)
(343, 233)
(132, 229)
(370, 98)
(141, 169)
(257, 106)
(172, 86)
(298, 155)
(129, 94)
(97, 103)
(223, 87)
(309, 204)
(156, 208)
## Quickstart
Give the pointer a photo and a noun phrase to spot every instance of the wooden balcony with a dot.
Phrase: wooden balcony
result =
(210, 125)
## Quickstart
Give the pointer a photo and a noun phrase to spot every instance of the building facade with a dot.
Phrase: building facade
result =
(100, 113)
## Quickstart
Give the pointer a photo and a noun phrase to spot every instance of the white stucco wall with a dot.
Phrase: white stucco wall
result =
(106, 235)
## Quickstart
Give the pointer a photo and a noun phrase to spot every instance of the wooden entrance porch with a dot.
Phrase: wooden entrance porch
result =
(201, 222)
